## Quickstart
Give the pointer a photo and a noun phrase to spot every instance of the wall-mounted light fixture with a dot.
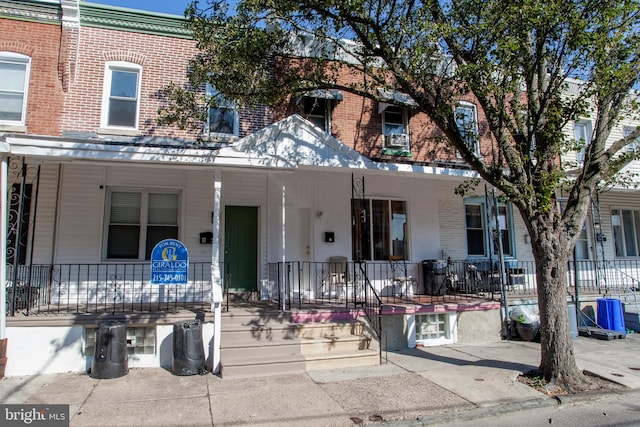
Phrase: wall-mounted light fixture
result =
(329, 236)
(527, 239)
(599, 235)
(319, 214)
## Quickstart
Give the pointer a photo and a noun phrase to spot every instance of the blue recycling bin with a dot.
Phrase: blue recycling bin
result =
(610, 315)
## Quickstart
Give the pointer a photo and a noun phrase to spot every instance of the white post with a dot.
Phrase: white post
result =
(216, 276)
(4, 171)
(284, 290)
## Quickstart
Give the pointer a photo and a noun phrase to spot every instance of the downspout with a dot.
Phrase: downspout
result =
(216, 276)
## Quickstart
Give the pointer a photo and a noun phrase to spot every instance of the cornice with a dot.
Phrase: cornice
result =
(124, 19)
(45, 11)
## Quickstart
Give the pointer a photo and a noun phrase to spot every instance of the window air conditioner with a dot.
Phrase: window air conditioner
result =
(396, 140)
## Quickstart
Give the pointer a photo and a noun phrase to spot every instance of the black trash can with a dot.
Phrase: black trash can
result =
(434, 276)
(110, 358)
(188, 348)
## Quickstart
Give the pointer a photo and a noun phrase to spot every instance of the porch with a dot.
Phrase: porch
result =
(102, 289)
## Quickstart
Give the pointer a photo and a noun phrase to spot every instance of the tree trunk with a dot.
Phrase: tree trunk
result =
(557, 364)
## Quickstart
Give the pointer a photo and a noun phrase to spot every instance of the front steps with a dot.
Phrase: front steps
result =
(258, 341)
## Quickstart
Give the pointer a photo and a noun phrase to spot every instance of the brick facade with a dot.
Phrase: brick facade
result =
(40, 42)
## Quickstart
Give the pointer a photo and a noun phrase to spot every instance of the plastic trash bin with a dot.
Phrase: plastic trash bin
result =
(110, 358)
(610, 315)
(434, 276)
(188, 348)
(528, 331)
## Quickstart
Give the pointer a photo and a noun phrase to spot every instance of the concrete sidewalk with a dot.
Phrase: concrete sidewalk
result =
(428, 386)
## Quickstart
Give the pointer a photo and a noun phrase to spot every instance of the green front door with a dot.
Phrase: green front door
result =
(241, 247)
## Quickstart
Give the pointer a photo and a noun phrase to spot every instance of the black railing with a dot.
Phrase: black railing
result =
(115, 288)
(103, 288)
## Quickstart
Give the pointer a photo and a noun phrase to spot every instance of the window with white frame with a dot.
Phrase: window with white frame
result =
(14, 82)
(395, 127)
(582, 135)
(481, 236)
(317, 111)
(625, 224)
(222, 119)
(582, 244)
(379, 229)
(466, 116)
(634, 146)
(121, 99)
(138, 220)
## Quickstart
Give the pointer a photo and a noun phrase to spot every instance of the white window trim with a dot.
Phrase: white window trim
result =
(405, 119)
(144, 212)
(220, 135)
(624, 230)
(488, 243)
(326, 117)
(413, 341)
(24, 59)
(634, 146)
(588, 130)
(106, 91)
(476, 131)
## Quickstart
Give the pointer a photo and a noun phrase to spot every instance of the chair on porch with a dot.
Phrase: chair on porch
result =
(338, 277)
(403, 283)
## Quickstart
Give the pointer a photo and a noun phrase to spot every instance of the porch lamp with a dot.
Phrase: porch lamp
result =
(599, 235)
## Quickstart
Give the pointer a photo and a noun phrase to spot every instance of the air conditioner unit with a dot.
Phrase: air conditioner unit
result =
(396, 140)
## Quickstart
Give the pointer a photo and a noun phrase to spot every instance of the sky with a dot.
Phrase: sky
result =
(174, 7)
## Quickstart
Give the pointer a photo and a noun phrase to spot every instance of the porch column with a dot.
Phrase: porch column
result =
(4, 171)
(283, 288)
(216, 276)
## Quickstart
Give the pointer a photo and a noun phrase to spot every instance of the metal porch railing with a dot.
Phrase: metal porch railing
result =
(102, 288)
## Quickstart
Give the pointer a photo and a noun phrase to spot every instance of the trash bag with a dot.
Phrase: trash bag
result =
(525, 314)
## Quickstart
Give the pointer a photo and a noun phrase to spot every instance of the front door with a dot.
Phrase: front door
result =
(241, 247)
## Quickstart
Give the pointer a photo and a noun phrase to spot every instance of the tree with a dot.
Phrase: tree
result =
(516, 59)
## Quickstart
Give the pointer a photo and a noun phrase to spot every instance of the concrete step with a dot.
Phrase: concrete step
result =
(256, 342)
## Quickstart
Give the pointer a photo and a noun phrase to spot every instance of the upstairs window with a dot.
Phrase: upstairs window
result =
(138, 220)
(582, 135)
(395, 127)
(223, 119)
(121, 101)
(14, 81)
(466, 116)
(634, 146)
(317, 111)
(316, 106)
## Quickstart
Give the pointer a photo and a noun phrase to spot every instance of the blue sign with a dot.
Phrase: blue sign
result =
(169, 263)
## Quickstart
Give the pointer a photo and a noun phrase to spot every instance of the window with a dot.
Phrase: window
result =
(379, 229)
(14, 81)
(121, 101)
(431, 329)
(582, 135)
(582, 244)
(223, 117)
(626, 232)
(634, 146)
(140, 340)
(394, 120)
(481, 237)
(467, 121)
(317, 111)
(138, 220)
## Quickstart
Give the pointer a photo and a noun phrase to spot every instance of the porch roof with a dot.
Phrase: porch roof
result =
(292, 143)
